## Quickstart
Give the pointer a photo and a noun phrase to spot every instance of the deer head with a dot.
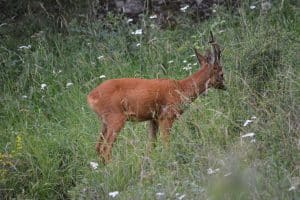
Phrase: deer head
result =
(211, 60)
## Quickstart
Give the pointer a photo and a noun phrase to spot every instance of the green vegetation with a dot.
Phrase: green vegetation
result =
(48, 133)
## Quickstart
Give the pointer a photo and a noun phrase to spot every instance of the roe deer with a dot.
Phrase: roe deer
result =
(160, 101)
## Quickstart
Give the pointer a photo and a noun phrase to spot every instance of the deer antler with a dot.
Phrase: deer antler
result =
(216, 48)
(212, 40)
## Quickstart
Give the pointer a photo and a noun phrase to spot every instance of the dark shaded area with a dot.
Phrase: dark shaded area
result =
(58, 13)
(262, 67)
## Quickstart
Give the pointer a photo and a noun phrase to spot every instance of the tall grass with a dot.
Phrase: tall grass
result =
(48, 135)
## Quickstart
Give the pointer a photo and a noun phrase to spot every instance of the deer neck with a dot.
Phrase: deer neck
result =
(196, 84)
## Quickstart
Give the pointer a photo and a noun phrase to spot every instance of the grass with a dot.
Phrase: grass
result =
(48, 137)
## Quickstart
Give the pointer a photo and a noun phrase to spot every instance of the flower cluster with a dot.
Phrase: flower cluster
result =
(250, 135)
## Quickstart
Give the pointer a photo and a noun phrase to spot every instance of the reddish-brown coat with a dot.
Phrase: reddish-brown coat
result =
(159, 101)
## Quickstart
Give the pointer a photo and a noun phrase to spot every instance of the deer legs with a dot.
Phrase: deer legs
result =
(153, 131)
(153, 128)
(112, 125)
(165, 126)
(101, 137)
(166, 119)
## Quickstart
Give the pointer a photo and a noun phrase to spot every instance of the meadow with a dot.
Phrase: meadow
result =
(48, 133)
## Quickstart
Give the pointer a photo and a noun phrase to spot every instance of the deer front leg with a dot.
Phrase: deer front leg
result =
(166, 120)
(153, 128)
(165, 125)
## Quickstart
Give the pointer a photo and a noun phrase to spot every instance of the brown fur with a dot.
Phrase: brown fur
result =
(159, 101)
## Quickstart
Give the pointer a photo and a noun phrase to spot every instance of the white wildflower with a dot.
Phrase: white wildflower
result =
(102, 76)
(248, 135)
(193, 55)
(252, 7)
(160, 194)
(228, 174)
(195, 63)
(187, 68)
(137, 32)
(138, 44)
(214, 11)
(183, 9)
(181, 197)
(24, 97)
(113, 194)
(153, 17)
(170, 61)
(295, 183)
(184, 61)
(94, 165)
(292, 188)
(25, 47)
(43, 86)
(211, 171)
(247, 122)
(100, 57)
(55, 73)
(129, 20)
(69, 84)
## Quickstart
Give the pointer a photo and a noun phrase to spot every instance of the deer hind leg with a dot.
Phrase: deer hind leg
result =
(115, 123)
(153, 128)
(101, 137)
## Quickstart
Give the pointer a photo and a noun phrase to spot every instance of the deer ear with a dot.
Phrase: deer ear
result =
(211, 58)
(201, 59)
